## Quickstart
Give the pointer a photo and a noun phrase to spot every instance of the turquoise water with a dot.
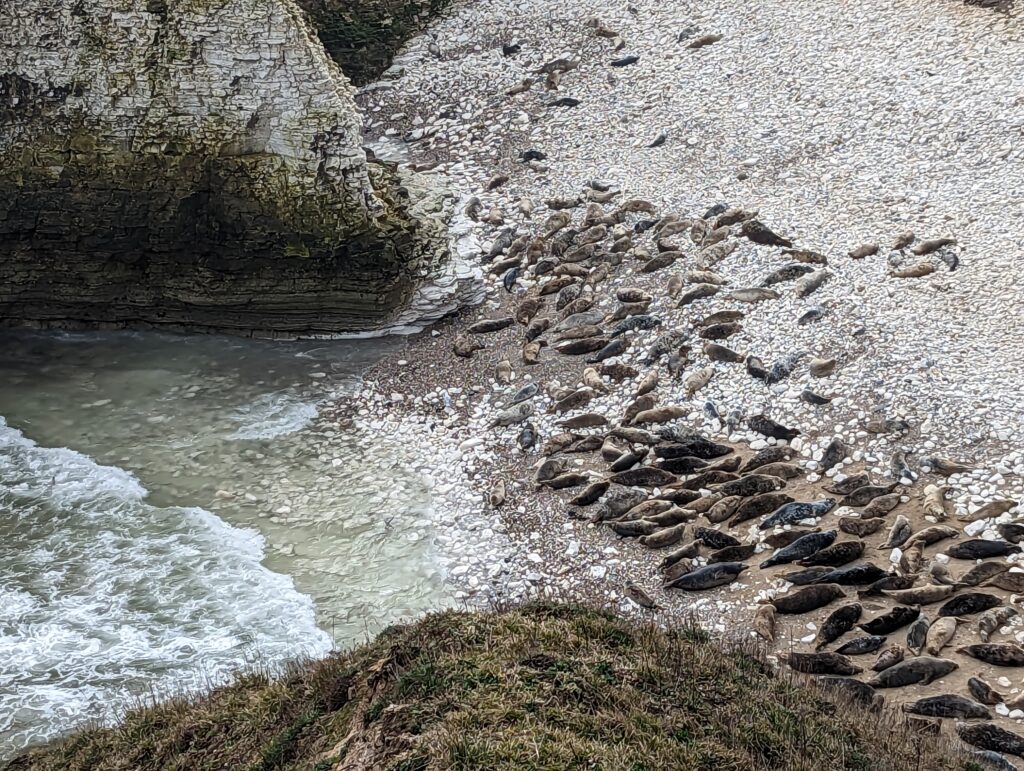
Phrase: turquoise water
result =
(175, 508)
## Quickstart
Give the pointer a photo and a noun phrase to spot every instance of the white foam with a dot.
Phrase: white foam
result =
(272, 415)
(106, 598)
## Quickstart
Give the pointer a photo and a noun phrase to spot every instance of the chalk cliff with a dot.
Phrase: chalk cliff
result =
(196, 164)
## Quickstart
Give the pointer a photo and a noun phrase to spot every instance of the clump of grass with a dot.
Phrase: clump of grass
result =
(543, 686)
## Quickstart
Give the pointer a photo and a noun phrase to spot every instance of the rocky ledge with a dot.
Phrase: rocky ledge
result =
(199, 164)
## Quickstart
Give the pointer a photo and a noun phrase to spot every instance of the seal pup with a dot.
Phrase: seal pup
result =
(921, 670)
(637, 595)
(497, 494)
(764, 622)
(862, 251)
(984, 692)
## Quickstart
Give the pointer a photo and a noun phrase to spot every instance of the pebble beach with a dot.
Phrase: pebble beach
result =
(886, 139)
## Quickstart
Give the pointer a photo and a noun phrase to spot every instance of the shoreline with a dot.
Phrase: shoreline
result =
(886, 368)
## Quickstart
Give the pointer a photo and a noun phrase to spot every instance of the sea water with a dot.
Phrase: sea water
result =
(175, 509)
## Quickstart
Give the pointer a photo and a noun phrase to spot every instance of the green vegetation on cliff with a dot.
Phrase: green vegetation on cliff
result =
(541, 687)
(363, 35)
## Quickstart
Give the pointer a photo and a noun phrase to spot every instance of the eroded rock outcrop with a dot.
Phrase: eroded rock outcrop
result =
(195, 163)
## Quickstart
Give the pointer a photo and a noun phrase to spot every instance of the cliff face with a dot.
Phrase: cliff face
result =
(194, 163)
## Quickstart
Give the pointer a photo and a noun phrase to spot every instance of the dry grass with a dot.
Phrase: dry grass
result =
(544, 686)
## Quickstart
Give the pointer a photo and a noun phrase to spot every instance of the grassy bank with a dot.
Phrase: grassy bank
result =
(541, 687)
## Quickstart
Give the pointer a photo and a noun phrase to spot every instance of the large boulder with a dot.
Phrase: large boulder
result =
(195, 164)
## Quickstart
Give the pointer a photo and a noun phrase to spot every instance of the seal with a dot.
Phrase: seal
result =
(661, 415)
(947, 705)
(849, 484)
(636, 594)
(764, 622)
(987, 571)
(756, 231)
(862, 251)
(889, 657)
(997, 654)
(669, 536)
(854, 575)
(784, 538)
(860, 527)
(969, 602)
(855, 690)
(861, 645)
(811, 283)
(979, 549)
(930, 536)
(720, 331)
(839, 622)
(898, 533)
(714, 539)
(889, 622)
(586, 420)
(645, 476)
(820, 663)
(592, 494)
(796, 511)
(992, 619)
(984, 692)
(723, 509)
(708, 577)
(750, 485)
(920, 670)
(732, 553)
(784, 471)
(1010, 581)
(991, 737)
(776, 454)
(917, 634)
(793, 270)
(922, 595)
(806, 576)
(802, 547)
(634, 528)
(862, 496)
(698, 380)
(889, 581)
(716, 352)
(835, 555)
(768, 427)
(881, 505)
(808, 598)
